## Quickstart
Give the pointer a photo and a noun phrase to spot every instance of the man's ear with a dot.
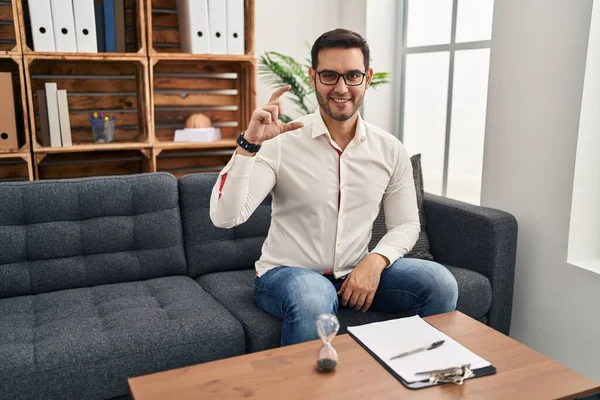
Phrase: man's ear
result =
(369, 77)
(312, 73)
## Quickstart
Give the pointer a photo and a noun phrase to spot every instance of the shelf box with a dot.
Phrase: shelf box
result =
(10, 40)
(16, 167)
(185, 161)
(14, 65)
(163, 27)
(135, 31)
(100, 163)
(116, 87)
(222, 90)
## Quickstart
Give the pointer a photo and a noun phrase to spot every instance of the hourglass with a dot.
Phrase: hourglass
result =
(327, 327)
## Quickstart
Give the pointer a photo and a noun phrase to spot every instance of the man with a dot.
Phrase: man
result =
(328, 173)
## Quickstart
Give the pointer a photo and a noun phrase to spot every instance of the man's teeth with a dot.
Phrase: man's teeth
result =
(340, 100)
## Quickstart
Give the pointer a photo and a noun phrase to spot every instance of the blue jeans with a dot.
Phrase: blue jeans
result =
(298, 296)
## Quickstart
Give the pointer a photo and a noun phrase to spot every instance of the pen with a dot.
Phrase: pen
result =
(431, 346)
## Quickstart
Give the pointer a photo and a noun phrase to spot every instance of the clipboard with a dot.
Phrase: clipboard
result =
(457, 374)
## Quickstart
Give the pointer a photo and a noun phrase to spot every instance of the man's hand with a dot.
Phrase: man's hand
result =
(360, 285)
(265, 123)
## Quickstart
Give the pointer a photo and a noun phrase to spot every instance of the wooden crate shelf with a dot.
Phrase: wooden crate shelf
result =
(10, 39)
(117, 86)
(180, 87)
(16, 167)
(180, 162)
(100, 163)
(14, 64)
(135, 32)
(163, 27)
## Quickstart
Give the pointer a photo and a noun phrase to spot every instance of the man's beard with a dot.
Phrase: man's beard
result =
(323, 103)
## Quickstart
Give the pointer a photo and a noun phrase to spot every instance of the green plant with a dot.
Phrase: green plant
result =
(278, 70)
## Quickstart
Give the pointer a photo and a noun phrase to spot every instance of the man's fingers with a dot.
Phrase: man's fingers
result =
(360, 302)
(354, 299)
(278, 104)
(291, 126)
(273, 110)
(341, 291)
(276, 94)
(264, 116)
(368, 302)
(346, 297)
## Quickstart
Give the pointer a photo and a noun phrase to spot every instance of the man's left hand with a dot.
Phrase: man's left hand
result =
(360, 285)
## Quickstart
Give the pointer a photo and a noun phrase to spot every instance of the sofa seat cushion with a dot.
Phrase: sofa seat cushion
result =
(235, 290)
(86, 342)
(474, 292)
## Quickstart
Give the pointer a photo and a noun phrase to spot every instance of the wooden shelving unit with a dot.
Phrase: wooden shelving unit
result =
(151, 90)
(135, 32)
(10, 40)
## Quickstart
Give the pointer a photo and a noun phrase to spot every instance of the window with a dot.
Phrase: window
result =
(445, 53)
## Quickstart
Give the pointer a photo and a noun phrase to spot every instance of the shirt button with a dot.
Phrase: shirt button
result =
(362, 138)
(339, 244)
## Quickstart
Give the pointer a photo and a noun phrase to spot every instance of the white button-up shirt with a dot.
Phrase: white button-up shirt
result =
(324, 200)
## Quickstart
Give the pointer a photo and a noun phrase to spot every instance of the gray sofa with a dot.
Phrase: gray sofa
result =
(113, 277)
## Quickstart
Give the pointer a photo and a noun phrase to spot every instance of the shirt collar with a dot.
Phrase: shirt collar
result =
(319, 128)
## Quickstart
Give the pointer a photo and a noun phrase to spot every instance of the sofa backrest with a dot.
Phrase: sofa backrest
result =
(62, 234)
(212, 249)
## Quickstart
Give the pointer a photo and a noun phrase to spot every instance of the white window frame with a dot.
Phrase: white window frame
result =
(452, 47)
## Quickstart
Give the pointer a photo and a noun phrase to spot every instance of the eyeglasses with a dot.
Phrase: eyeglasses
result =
(331, 78)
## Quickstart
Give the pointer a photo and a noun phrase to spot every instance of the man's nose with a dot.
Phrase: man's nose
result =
(341, 86)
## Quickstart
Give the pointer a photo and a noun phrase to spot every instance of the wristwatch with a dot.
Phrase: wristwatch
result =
(246, 145)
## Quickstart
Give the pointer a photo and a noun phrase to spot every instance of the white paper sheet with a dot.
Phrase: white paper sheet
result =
(389, 338)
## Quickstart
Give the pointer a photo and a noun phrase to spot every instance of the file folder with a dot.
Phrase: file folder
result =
(8, 119)
(85, 26)
(217, 20)
(53, 118)
(194, 29)
(235, 26)
(109, 26)
(42, 29)
(44, 135)
(63, 117)
(384, 340)
(64, 26)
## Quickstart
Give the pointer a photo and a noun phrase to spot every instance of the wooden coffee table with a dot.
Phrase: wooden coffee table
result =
(290, 373)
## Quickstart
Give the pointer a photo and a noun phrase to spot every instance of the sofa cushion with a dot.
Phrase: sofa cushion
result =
(474, 292)
(227, 249)
(235, 290)
(63, 234)
(421, 248)
(85, 342)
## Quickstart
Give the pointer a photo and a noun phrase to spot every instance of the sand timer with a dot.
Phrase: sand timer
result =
(327, 327)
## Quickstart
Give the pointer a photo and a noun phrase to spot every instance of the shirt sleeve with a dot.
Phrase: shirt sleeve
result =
(401, 212)
(243, 184)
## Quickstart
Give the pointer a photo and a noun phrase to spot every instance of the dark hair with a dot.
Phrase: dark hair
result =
(339, 39)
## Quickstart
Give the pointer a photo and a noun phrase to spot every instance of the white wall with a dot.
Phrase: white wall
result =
(537, 68)
(291, 27)
(584, 239)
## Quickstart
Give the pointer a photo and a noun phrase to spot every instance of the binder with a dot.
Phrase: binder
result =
(375, 338)
(85, 26)
(109, 26)
(63, 116)
(8, 119)
(99, 14)
(120, 26)
(235, 26)
(217, 20)
(64, 26)
(44, 136)
(194, 29)
(42, 29)
(53, 119)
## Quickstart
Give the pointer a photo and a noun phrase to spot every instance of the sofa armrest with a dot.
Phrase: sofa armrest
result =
(480, 239)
